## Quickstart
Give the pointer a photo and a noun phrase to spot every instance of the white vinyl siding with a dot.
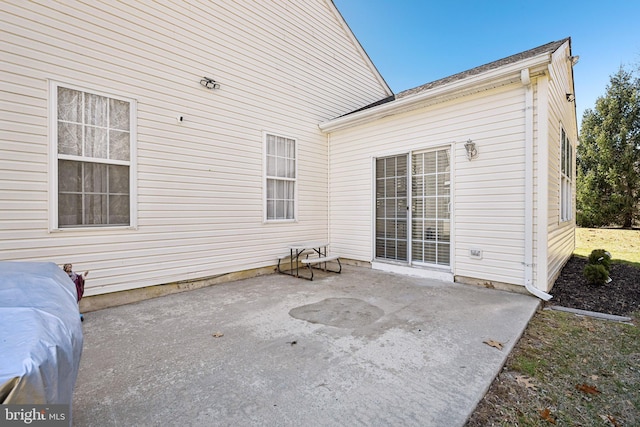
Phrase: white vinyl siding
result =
(561, 116)
(280, 180)
(283, 66)
(92, 140)
(487, 193)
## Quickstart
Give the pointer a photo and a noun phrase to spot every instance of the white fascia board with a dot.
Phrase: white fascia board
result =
(479, 82)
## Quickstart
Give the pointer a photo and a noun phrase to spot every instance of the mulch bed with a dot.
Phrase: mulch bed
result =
(621, 296)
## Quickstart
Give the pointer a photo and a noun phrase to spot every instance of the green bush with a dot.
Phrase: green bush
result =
(601, 257)
(596, 274)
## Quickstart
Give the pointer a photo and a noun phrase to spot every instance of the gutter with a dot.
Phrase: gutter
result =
(525, 78)
(490, 79)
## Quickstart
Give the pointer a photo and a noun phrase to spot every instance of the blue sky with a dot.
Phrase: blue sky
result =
(415, 42)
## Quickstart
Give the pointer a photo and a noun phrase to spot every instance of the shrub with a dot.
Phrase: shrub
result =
(596, 274)
(601, 257)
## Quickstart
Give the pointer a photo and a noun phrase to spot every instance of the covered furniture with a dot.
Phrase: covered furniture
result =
(40, 334)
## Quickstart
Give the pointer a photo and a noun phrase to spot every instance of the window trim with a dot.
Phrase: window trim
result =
(54, 156)
(266, 177)
(566, 177)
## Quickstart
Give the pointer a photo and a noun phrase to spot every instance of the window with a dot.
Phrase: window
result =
(280, 177)
(566, 178)
(93, 145)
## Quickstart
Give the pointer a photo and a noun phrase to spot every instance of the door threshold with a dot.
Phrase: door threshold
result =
(427, 273)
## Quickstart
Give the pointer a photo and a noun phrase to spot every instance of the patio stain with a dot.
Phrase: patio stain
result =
(338, 312)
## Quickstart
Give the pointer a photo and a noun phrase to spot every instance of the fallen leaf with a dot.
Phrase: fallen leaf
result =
(588, 389)
(594, 377)
(613, 421)
(588, 325)
(525, 381)
(609, 418)
(493, 343)
(217, 334)
(545, 414)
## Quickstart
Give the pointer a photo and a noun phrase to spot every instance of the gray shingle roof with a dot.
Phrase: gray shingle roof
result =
(546, 48)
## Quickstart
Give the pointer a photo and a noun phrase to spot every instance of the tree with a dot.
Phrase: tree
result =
(608, 157)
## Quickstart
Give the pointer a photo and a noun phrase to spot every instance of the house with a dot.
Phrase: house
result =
(468, 178)
(169, 143)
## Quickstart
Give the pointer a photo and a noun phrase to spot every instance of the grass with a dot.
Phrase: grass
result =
(568, 370)
(624, 245)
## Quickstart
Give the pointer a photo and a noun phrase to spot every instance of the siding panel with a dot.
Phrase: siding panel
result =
(560, 235)
(488, 192)
(283, 68)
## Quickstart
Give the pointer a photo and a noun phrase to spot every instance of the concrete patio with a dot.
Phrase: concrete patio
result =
(361, 348)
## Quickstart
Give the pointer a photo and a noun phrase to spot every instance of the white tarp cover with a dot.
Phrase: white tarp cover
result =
(40, 334)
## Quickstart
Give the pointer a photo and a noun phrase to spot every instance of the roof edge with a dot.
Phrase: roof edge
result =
(505, 70)
(547, 48)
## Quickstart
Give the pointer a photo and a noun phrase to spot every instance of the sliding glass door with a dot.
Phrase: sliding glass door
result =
(429, 213)
(391, 208)
(430, 207)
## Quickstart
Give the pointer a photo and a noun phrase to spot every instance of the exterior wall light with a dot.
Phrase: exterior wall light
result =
(472, 151)
(209, 83)
(571, 97)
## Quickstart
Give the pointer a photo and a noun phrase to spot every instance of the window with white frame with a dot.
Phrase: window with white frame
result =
(280, 179)
(94, 145)
(566, 178)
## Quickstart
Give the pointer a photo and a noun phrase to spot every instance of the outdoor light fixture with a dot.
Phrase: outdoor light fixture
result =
(472, 152)
(209, 83)
(574, 59)
(571, 97)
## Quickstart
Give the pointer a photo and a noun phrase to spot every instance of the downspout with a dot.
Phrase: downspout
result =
(329, 189)
(528, 188)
